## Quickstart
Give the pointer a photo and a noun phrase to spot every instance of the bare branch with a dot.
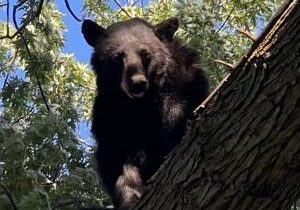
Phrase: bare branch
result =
(42, 92)
(24, 116)
(122, 8)
(5, 81)
(247, 34)
(9, 196)
(19, 31)
(71, 12)
(211, 95)
(81, 141)
(231, 66)
(131, 3)
(28, 21)
(226, 20)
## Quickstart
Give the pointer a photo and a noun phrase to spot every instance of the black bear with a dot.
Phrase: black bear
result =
(148, 84)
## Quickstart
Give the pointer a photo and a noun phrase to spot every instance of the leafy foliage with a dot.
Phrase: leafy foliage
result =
(46, 93)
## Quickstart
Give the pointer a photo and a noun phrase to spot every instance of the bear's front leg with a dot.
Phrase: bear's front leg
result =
(128, 187)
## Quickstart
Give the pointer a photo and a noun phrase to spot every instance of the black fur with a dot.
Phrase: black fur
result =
(148, 84)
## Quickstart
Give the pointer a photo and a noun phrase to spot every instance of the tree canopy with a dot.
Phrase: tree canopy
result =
(45, 93)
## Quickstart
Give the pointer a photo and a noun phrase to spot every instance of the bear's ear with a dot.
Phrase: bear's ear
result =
(167, 28)
(92, 32)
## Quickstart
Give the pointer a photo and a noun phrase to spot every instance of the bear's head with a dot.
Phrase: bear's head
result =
(129, 56)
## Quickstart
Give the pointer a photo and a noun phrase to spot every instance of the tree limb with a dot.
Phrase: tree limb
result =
(243, 151)
(211, 95)
(229, 65)
(247, 34)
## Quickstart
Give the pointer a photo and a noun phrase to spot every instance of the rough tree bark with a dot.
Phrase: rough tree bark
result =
(243, 151)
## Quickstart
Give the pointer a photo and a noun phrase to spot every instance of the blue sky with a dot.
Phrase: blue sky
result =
(75, 43)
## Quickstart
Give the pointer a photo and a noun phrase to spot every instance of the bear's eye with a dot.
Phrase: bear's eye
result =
(146, 56)
(118, 56)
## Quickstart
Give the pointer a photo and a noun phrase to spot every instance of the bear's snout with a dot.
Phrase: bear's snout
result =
(139, 85)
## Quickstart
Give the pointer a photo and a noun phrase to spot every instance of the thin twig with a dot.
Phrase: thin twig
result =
(227, 18)
(83, 142)
(122, 8)
(9, 197)
(10, 63)
(19, 31)
(42, 92)
(71, 12)
(229, 65)
(135, 3)
(5, 81)
(131, 4)
(24, 116)
(211, 95)
(247, 34)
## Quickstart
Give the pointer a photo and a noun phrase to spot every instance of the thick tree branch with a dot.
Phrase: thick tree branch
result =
(242, 152)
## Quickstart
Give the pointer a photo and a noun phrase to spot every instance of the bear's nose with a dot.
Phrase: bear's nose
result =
(139, 84)
(138, 87)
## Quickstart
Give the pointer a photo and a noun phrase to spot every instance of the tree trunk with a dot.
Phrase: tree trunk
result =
(243, 151)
